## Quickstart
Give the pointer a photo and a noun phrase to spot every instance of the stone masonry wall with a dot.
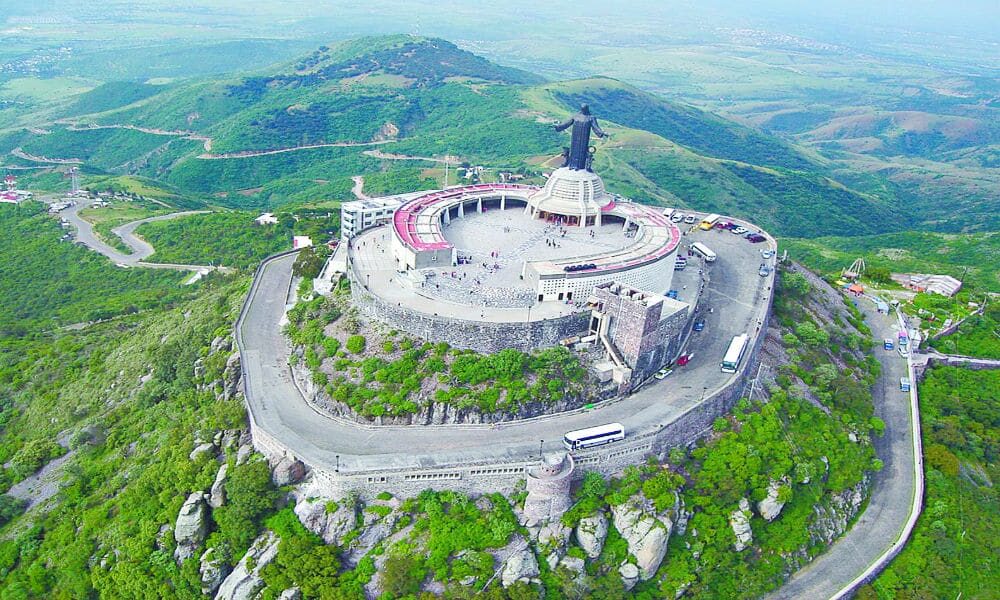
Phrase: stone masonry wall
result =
(488, 338)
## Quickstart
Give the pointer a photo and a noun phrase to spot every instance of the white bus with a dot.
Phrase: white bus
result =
(731, 361)
(704, 251)
(709, 222)
(669, 212)
(594, 436)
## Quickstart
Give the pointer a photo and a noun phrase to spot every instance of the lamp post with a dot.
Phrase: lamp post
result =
(338, 464)
(540, 442)
(703, 391)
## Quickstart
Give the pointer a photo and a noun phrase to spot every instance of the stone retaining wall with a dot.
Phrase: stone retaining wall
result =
(483, 337)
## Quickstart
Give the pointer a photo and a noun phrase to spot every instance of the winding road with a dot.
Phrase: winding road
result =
(883, 528)
(141, 249)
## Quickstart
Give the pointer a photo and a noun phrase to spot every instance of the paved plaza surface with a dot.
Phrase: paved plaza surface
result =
(733, 302)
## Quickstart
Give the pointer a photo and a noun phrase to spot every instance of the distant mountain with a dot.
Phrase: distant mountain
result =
(300, 130)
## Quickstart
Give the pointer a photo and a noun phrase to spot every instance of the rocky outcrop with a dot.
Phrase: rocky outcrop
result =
(830, 520)
(244, 582)
(591, 532)
(217, 495)
(520, 566)
(243, 453)
(190, 528)
(739, 520)
(332, 525)
(288, 471)
(646, 533)
(202, 449)
(291, 594)
(231, 376)
(629, 574)
(213, 570)
(770, 507)
(552, 539)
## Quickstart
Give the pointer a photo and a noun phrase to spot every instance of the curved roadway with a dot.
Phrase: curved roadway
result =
(881, 530)
(279, 409)
(141, 249)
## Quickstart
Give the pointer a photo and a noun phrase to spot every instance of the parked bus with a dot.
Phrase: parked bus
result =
(734, 355)
(704, 251)
(594, 436)
(709, 222)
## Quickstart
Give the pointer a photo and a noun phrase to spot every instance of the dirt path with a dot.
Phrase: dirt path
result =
(454, 160)
(18, 152)
(253, 153)
(359, 186)
(181, 133)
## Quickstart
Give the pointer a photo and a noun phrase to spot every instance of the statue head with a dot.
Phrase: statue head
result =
(585, 109)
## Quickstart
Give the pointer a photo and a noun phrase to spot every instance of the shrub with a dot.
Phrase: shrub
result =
(356, 344)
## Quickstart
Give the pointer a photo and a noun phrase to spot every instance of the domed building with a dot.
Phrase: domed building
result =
(573, 197)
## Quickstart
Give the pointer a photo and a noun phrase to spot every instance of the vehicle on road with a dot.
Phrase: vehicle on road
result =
(594, 436)
(663, 373)
(766, 253)
(734, 355)
(764, 271)
(756, 238)
(887, 344)
(690, 219)
(677, 217)
(904, 384)
(704, 251)
(699, 325)
(684, 359)
(672, 294)
(903, 338)
(740, 230)
(709, 222)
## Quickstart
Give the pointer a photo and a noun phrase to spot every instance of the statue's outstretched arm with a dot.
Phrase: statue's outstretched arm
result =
(597, 129)
(564, 124)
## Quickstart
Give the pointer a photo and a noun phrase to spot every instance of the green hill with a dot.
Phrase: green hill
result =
(300, 130)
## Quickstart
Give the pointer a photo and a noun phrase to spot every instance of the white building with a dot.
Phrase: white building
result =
(301, 241)
(358, 215)
(266, 219)
(945, 285)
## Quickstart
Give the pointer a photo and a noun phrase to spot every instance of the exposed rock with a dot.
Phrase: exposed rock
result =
(288, 471)
(189, 531)
(200, 449)
(244, 583)
(230, 438)
(520, 566)
(243, 453)
(291, 594)
(217, 495)
(574, 564)
(220, 343)
(769, 508)
(199, 368)
(331, 526)
(590, 533)
(468, 580)
(739, 520)
(213, 570)
(553, 538)
(646, 535)
(231, 376)
(161, 536)
(629, 574)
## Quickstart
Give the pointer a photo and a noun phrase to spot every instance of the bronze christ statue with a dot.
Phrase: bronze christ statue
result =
(578, 157)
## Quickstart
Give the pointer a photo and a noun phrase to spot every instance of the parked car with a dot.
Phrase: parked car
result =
(766, 253)
(699, 325)
(690, 219)
(756, 238)
(662, 373)
(672, 294)
(677, 217)
(740, 230)
(887, 344)
(726, 225)
(764, 271)
(684, 359)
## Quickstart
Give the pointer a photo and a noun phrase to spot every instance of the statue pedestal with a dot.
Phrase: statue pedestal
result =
(574, 194)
